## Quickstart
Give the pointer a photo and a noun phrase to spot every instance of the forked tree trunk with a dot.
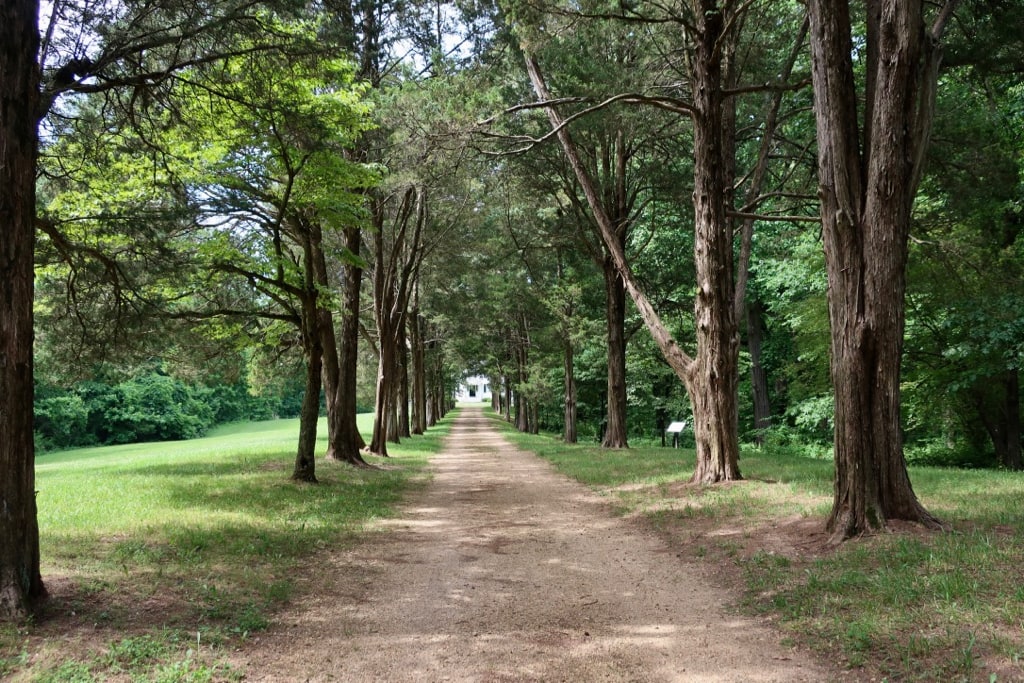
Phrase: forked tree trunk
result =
(867, 188)
(21, 585)
(712, 377)
(395, 266)
(344, 442)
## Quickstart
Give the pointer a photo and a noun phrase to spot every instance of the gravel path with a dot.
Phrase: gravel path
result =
(503, 570)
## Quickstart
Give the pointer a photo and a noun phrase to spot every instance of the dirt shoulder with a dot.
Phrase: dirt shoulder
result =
(503, 570)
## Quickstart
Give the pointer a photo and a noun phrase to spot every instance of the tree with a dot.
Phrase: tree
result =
(288, 180)
(711, 375)
(394, 274)
(21, 583)
(869, 171)
(138, 46)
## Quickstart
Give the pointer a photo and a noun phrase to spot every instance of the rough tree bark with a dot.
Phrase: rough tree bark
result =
(714, 385)
(312, 347)
(344, 441)
(305, 459)
(569, 434)
(615, 317)
(348, 442)
(868, 179)
(419, 380)
(21, 585)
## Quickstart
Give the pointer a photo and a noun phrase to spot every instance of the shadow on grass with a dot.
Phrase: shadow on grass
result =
(226, 542)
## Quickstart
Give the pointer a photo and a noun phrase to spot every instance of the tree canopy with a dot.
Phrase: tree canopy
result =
(788, 224)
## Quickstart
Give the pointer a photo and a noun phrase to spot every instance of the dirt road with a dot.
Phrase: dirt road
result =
(502, 570)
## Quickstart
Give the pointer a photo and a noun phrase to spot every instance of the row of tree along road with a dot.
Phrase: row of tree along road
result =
(392, 193)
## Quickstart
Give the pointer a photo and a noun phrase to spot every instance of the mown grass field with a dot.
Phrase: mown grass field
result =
(159, 556)
(911, 605)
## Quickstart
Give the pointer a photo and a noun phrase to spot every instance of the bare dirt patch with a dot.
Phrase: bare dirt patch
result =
(503, 570)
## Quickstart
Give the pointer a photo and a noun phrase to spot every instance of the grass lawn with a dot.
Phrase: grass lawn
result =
(911, 605)
(157, 556)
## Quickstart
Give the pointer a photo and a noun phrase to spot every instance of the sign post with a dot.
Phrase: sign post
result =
(675, 429)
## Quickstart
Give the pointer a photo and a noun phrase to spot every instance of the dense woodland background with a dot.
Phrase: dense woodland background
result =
(239, 205)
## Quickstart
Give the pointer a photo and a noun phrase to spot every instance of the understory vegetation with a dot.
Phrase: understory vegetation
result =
(909, 605)
(150, 406)
(160, 556)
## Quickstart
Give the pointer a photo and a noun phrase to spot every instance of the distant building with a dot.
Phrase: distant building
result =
(476, 389)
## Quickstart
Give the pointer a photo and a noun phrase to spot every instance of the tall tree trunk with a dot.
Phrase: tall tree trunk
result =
(508, 398)
(867, 189)
(714, 384)
(21, 584)
(419, 379)
(569, 434)
(346, 441)
(393, 428)
(382, 402)
(305, 458)
(758, 376)
(403, 381)
(394, 270)
(615, 316)
(312, 346)
(522, 377)
(521, 413)
(433, 402)
(748, 310)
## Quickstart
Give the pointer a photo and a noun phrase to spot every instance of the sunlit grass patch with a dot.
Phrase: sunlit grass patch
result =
(173, 549)
(911, 605)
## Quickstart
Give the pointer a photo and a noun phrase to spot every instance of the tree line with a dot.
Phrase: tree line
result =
(765, 217)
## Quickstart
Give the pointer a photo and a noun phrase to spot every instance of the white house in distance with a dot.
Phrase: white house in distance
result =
(475, 389)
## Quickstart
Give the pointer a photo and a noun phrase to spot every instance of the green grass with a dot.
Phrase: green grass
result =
(175, 549)
(904, 606)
